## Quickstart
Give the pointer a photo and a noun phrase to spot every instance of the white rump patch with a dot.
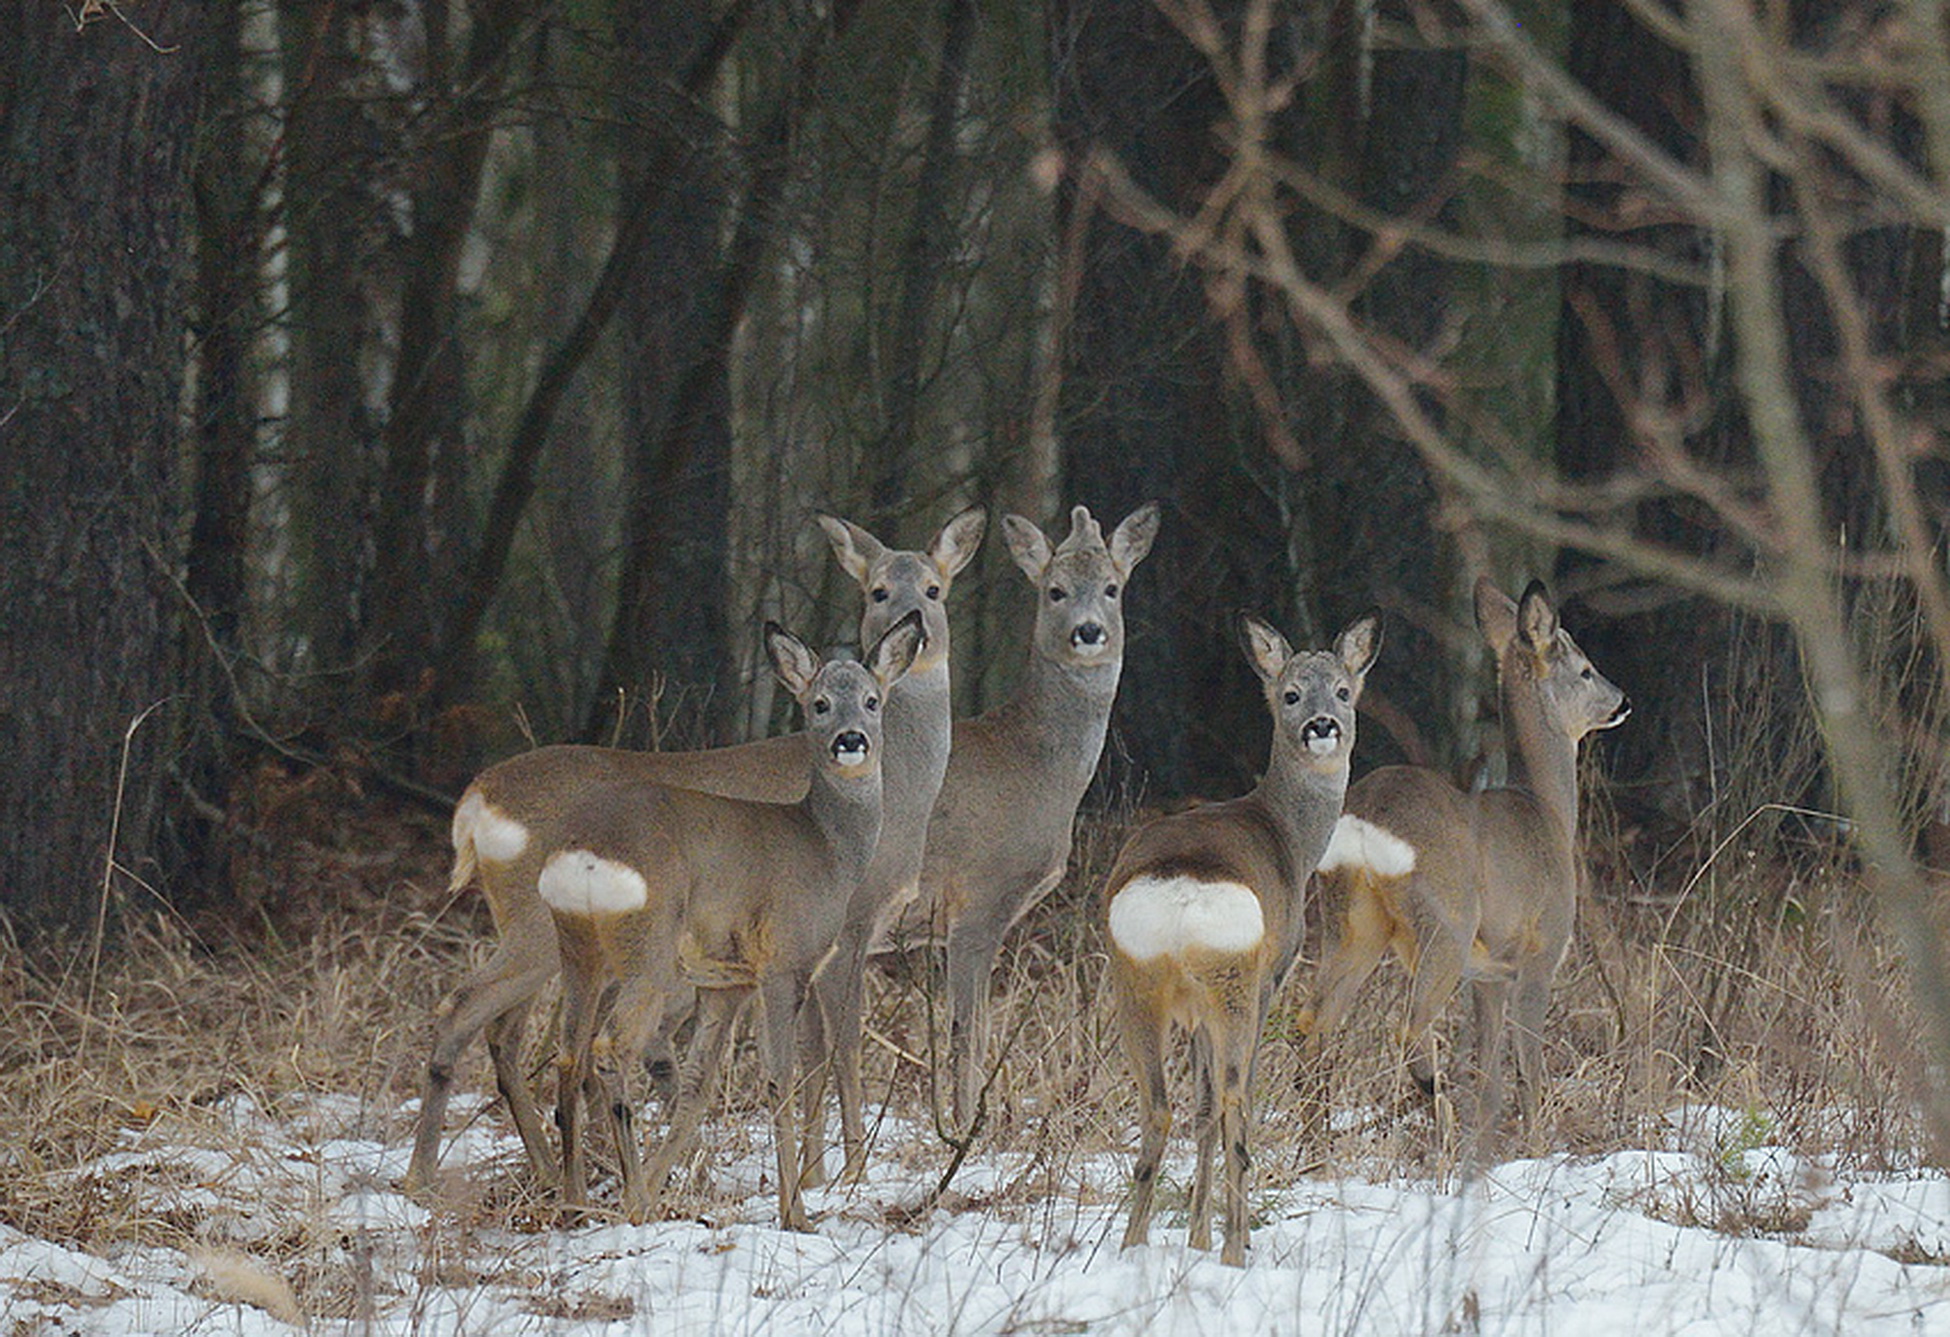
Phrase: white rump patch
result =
(1158, 916)
(497, 837)
(577, 882)
(1361, 844)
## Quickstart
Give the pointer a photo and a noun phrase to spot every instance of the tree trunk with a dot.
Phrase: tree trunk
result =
(930, 238)
(669, 624)
(229, 236)
(95, 132)
(329, 434)
(516, 483)
(1144, 414)
(1387, 131)
(415, 562)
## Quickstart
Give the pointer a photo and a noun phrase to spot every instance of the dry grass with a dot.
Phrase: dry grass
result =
(1756, 985)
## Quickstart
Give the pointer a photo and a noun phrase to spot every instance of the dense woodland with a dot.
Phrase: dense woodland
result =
(387, 383)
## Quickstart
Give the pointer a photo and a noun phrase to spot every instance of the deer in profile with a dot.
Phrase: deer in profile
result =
(1204, 912)
(499, 828)
(1000, 836)
(1477, 888)
(672, 889)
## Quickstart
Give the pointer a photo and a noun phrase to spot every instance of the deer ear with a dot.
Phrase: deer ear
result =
(855, 547)
(1266, 650)
(1537, 619)
(792, 659)
(1132, 539)
(893, 654)
(1027, 545)
(955, 545)
(1496, 616)
(1360, 644)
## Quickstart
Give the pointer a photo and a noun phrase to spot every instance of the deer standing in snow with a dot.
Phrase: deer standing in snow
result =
(672, 890)
(1204, 914)
(1000, 837)
(1477, 888)
(498, 839)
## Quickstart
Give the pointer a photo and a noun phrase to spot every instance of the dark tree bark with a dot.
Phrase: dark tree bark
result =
(1145, 412)
(1387, 131)
(415, 560)
(96, 127)
(229, 235)
(670, 622)
(334, 228)
(929, 240)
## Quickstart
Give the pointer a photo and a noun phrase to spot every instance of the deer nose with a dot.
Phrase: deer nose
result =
(1322, 733)
(1089, 634)
(851, 748)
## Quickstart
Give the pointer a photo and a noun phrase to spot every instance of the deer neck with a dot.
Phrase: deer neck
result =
(1303, 801)
(1542, 760)
(916, 732)
(846, 809)
(1062, 712)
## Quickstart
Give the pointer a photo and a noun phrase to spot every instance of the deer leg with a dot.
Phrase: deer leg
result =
(1234, 1061)
(1205, 1130)
(1491, 999)
(784, 999)
(717, 1012)
(971, 960)
(1438, 973)
(640, 1026)
(1141, 1034)
(504, 1035)
(1533, 1002)
(815, 1029)
(660, 1053)
(842, 987)
(504, 982)
(575, 1078)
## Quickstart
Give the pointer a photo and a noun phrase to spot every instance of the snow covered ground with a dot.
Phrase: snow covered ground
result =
(287, 1202)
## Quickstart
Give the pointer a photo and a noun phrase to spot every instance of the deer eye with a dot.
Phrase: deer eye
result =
(1292, 698)
(821, 706)
(873, 703)
(1057, 594)
(1586, 673)
(1110, 590)
(934, 591)
(1342, 693)
(879, 595)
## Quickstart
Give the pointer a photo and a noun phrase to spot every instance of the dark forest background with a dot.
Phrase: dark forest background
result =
(385, 384)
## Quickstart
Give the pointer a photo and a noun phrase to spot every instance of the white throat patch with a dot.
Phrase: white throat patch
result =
(1159, 916)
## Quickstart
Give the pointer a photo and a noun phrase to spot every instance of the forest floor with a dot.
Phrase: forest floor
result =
(206, 1126)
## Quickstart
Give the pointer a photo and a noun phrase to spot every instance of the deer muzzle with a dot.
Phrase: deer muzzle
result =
(1321, 734)
(851, 748)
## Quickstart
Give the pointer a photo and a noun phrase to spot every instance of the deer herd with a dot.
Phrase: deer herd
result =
(669, 889)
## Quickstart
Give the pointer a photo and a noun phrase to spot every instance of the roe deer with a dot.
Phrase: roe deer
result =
(1479, 888)
(1205, 909)
(655, 885)
(497, 836)
(1001, 832)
